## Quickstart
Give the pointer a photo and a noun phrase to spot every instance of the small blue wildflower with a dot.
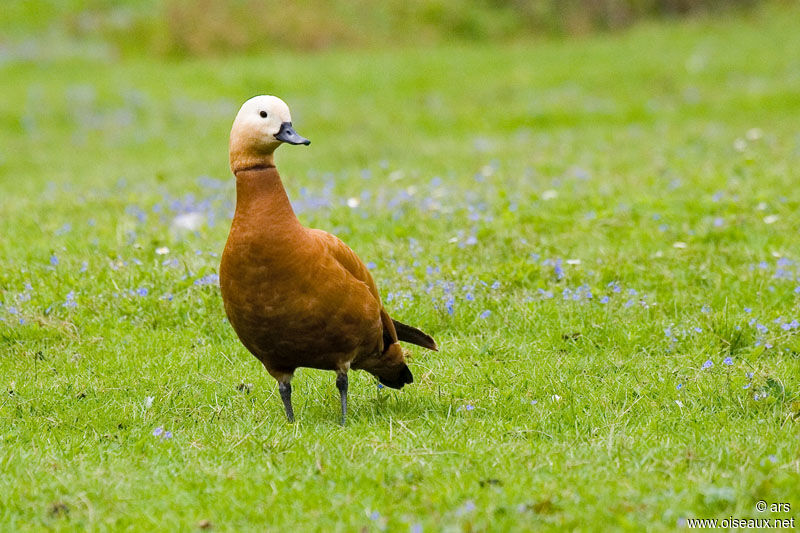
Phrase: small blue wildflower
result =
(70, 302)
(698, 329)
(142, 291)
(772, 459)
(374, 515)
(469, 407)
(471, 240)
(557, 270)
(371, 265)
(416, 528)
(167, 435)
(12, 310)
(719, 222)
(629, 303)
(380, 385)
(782, 273)
(544, 294)
(789, 325)
(534, 402)
(158, 431)
(604, 300)
(468, 507)
(708, 364)
(84, 267)
(469, 297)
(485, 314)
(496, 285)
(727, 361)
(747, 386)
(680, 386)
(797, 290)
(209, 279)
(449, 305)
(705, 309)
(748, 310)
(54, 260)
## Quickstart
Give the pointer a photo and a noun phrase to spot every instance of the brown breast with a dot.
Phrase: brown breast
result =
(290, 302)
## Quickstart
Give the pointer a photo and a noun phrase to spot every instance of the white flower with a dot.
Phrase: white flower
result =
(549, 194)
(189, 221)
(754, 134)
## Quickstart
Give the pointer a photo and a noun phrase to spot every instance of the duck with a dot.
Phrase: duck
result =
(296, 296)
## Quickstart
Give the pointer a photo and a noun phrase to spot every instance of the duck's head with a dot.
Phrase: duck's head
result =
(262, 124)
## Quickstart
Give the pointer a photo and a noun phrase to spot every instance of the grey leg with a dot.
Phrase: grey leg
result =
(341, 384)
(285, 389)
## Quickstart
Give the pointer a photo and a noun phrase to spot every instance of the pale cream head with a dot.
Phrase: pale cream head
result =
(262, 124)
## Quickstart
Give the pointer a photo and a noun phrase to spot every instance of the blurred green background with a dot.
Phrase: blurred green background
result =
(210, 27)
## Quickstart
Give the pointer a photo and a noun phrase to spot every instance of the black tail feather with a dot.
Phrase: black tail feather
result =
(414, 336)
(397, 382)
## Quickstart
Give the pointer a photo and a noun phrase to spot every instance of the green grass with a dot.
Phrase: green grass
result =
(664, 160)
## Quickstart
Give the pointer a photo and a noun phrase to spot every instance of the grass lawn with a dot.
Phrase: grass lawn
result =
(601, 234)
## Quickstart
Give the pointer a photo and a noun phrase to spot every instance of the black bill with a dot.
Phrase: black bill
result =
(288, 135)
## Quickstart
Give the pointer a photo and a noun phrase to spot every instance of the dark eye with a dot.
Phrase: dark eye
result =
(263, 114)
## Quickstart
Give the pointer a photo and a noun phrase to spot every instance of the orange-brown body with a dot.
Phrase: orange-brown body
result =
(299, 297)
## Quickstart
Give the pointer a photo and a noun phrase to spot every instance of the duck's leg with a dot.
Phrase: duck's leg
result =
(341, 384)
(285, 388)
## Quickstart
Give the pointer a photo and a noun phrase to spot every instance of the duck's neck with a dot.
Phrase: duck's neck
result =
(260, 197)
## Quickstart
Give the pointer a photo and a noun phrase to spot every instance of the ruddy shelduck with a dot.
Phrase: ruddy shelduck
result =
(295, 296)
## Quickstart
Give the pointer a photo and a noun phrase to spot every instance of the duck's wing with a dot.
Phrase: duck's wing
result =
(356, 267)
